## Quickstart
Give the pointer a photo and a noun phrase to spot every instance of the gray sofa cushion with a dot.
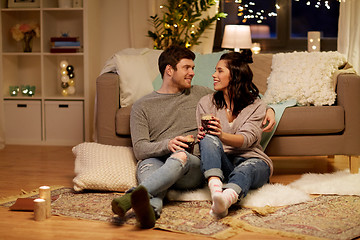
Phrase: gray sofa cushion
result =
(295, 121)
(312, 120)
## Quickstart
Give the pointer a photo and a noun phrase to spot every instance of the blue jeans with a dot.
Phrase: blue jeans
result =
(157, 175)
(238, 173)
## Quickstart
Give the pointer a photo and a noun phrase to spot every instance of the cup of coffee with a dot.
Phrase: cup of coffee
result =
(205, 121)
(190, 141)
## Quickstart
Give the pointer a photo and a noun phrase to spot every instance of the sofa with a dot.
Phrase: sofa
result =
(307, 130)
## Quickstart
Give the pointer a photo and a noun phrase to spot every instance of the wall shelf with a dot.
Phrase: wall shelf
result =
(41, 68)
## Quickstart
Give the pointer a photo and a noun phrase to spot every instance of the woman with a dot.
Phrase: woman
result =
(230, 147)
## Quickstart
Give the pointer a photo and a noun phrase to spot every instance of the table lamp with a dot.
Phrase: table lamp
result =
(237, 37)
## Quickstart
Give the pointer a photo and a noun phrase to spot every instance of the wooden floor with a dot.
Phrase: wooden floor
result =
(24, 168)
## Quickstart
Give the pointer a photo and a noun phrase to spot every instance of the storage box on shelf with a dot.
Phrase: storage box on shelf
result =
(23, 121)
(64, 122)
(60, 119)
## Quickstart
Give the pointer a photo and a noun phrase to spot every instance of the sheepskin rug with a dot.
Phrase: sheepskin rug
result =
(276, 195)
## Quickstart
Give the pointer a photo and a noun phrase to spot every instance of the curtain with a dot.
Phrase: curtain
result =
(349, 32)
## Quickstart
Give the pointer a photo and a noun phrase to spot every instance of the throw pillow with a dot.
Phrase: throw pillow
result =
(303, 76)
(157, 82)
(135, 78)
(205, 67)
(104, 167)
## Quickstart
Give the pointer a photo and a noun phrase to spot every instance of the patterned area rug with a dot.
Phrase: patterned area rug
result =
(327, 216)
(188, 217)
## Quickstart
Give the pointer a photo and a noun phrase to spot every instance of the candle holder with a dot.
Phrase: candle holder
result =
(256, 48)
(14, 90)
(25, 89)
(31, 91)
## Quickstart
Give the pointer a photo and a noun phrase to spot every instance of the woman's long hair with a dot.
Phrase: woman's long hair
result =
(242, 91)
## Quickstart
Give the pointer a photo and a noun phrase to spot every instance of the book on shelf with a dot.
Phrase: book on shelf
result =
(64, 49)
(64, 39)
(65, 44)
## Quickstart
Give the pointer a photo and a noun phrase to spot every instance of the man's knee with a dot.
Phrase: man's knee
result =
(181, 156)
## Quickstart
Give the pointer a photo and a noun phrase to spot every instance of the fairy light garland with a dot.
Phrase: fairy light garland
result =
(319, 3)
(246, 9)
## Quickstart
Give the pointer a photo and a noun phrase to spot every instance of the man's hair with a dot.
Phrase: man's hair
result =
(172, 56)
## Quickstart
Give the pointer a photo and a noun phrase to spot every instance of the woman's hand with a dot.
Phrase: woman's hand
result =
(201, 133)
(215, 127)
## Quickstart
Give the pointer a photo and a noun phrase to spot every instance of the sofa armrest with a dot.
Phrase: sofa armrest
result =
(107, 104)
(348, 96)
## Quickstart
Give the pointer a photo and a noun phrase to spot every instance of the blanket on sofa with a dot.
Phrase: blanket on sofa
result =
(279, 109)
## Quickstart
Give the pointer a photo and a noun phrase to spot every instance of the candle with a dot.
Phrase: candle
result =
(44, 192)
(39, 209)
(256, 48)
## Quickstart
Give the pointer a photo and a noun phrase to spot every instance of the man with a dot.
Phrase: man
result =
(159, 124)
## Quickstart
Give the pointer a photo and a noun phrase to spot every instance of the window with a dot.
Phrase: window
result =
(282, 25)
(314, 16)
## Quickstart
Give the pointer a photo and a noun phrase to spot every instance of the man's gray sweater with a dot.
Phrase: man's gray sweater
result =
(157, 118)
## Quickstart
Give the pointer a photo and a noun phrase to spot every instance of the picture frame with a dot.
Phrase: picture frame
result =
(23, 3)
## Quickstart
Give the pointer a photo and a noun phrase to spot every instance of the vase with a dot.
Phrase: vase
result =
(28, 42)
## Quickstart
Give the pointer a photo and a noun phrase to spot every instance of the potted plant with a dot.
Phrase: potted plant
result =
(182, 23)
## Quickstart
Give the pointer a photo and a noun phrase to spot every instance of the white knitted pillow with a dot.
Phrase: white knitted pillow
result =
(104, 167)
(303, 76)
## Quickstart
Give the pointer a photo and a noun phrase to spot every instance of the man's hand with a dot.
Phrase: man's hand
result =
(270, 119)
(177, 143)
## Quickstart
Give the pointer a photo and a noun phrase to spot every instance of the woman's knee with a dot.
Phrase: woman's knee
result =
(210, 139)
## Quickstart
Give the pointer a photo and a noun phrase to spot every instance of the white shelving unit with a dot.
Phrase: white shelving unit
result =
(62, 119)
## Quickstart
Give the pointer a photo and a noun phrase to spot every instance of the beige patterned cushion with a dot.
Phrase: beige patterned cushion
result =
(104, 167)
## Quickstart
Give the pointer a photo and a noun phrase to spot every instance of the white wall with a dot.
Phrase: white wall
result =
(115, 25)
(118, 24)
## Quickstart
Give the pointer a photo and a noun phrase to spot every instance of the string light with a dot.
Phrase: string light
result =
(319, 3)
(246, 11)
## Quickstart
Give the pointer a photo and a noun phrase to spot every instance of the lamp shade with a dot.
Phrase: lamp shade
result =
(237, 37)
